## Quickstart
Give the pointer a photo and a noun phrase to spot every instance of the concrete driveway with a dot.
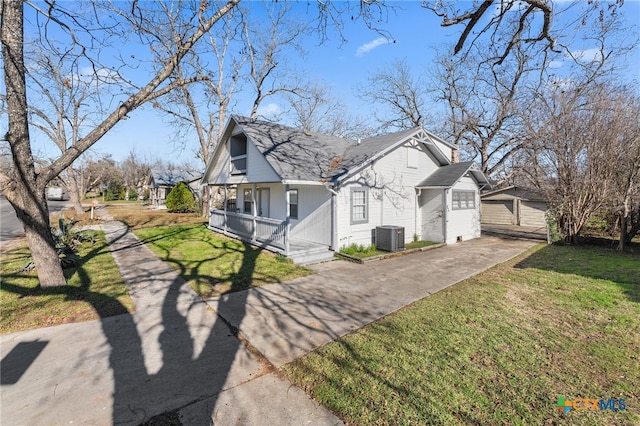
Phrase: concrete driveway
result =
(515, 232)
(285, 321)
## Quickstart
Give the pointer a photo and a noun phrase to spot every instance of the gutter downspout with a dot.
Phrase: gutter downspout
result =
(445, 209)
(418, 194)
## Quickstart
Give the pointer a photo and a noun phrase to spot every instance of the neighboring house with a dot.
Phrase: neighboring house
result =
(160, 182)
(302, 193)
(514, 205)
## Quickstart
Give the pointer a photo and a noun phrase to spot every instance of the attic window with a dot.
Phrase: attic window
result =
(238, 154)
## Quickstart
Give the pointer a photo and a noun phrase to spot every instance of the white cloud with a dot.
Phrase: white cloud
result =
(269, 110)
(587, 55)
(368, 47)
(556, 64)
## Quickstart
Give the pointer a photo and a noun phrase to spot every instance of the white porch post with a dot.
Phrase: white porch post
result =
(334, 221)
(254, 210)
(225, 209)
(287, 229)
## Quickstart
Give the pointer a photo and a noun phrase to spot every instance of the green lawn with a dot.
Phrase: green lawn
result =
(95, 289)
(138, 216)
(499, 348)
(214, 264)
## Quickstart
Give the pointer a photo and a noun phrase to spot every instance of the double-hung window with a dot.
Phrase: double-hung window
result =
(359, 205)
(293, 203)
(248, 201)
(463, 200)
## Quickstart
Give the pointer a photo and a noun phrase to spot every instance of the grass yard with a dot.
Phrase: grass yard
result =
(138, 216)
(214, 264)
(95, 289)
(499, 348)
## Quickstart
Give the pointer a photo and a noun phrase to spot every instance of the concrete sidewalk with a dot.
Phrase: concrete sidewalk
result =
(172, 352)
(176, 352)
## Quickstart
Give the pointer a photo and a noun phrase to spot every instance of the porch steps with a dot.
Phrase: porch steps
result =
(311, 255)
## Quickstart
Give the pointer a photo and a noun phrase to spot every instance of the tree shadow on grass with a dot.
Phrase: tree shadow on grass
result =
(173, 352)
(102, 303)
(591, 262)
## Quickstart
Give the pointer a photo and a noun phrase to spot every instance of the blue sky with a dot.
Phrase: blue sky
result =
(342, 66)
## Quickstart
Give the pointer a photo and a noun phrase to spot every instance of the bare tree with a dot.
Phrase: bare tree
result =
(401, 94)
(202, 107)
(510, 23)
(265, 46)
(92, 173)
(24, 187)
(249, 56)
(622, 106)
(315, 109)
(133, 171)
(572, 150)
(61, 95)
(483, 106)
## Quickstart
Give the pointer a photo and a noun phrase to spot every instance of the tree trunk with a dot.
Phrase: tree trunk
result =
(27, 192)
(41, 243)
(75, 196)
(623, 235)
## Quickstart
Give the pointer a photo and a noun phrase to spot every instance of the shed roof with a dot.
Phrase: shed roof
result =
(172, 177)
(514, 191)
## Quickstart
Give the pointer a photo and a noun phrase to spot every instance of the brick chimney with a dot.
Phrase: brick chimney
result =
(455, 155)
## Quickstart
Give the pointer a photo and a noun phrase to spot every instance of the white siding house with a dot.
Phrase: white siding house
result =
(304, 194)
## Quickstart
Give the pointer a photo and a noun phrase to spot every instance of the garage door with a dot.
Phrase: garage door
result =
(532, 213)
(497, 212)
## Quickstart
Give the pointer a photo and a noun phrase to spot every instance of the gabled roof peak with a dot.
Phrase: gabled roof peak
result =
(298, 154)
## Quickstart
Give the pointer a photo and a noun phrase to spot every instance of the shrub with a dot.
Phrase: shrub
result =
(355, 249)
(180, 199)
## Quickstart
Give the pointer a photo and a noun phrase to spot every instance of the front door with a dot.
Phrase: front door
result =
(263, 202)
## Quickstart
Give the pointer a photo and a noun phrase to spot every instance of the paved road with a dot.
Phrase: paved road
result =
(10, 226)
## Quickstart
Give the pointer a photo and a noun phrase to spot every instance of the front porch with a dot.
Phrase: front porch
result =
(271, 234)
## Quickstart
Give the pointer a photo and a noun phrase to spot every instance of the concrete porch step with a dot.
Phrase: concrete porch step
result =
(315, 255)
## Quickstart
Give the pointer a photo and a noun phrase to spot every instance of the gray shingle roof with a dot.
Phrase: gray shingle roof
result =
(359, 153)
(299, 155)
(172, 177)
(447, 176)
(294, 153)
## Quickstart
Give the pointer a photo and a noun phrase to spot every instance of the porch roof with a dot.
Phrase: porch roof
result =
(447, 176)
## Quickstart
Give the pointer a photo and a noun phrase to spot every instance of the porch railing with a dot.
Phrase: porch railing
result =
(265, 230)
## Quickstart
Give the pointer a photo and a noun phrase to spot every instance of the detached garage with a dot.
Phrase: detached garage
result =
(513, 205)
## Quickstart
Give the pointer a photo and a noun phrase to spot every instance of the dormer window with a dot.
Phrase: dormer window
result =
(238, 154)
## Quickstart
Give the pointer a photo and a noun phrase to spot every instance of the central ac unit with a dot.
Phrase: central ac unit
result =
(390, 238)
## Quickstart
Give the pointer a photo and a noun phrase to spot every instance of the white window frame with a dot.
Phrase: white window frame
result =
(463, 199)
(364, 204)
(245, 200)
(238, 163)
(291, 203)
